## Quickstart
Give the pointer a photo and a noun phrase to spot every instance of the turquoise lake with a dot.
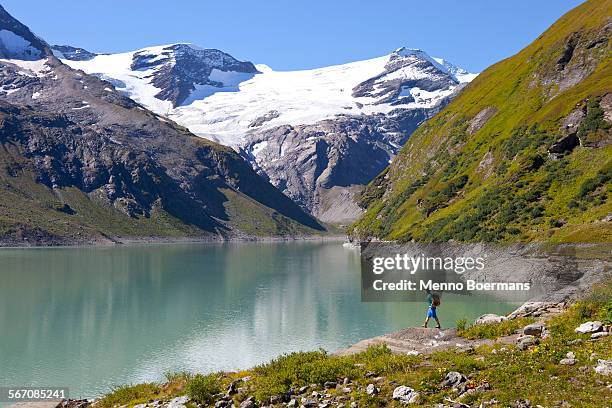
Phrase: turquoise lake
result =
(93, 318)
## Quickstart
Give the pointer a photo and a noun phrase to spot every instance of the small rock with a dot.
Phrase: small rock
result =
(233, 387)
(467, 349)
(405, 394)
(599, 335)
(412, 353)
(370, 374)
(379, 379)
(371, 389)
(346, 381)
(574, 342)
(570, 359)
(329, 384)
(248, 403)
(522, 404)
(178, 402)
(490, 318)
(275, 399)
(524, 342)
(589, 327)
(604, 367)
(309, 403)
(218, 404)
(347, 390)
(534, 329)
(353, 404)
(453, 379)
(293, 403)
(303, 389)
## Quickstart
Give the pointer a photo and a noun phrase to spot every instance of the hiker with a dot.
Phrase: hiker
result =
(433, 300)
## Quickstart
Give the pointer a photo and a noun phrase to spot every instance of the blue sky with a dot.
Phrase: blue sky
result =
(294, 34)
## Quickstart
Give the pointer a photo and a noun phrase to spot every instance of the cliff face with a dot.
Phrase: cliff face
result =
(523, 153)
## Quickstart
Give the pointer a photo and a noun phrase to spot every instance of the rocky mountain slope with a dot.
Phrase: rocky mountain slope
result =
(81, 162)
(524, 153)
(306, 131)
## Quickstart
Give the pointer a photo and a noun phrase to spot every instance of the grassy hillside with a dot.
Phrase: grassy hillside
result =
(523, 154)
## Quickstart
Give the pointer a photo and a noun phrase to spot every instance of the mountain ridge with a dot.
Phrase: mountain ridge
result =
(522, 154)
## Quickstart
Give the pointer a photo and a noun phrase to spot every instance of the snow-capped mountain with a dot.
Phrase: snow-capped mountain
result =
(82, 161)
(375, 103)
(221, 98)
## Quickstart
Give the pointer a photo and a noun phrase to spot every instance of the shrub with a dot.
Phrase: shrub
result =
(461, 324)
(202, 388)
(494, 330)
(130, 394)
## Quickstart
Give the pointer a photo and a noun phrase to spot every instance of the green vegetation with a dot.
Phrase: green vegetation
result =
(135, 394)
(494, 180)
(203, 388)
(493, 330)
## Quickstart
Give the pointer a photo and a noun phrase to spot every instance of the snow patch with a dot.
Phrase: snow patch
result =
(258, 147)
(37, 68)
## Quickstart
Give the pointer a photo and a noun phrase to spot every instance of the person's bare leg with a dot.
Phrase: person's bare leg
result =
(426, 322)
(438, 321)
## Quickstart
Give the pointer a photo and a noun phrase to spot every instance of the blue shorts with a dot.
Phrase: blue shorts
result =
(431, 312)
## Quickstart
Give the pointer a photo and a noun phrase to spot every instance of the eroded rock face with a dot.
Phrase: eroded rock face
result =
(324, 166)
(481, 119)
(578, 57)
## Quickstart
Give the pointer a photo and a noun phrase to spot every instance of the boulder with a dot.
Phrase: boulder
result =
(405, 395)
(589, 327)
(534, 329)
(490, 318)
(524, 342)
(565, 144)
(604, 367)
(453, 379)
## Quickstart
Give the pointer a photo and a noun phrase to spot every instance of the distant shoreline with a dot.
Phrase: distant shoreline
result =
(135, 241)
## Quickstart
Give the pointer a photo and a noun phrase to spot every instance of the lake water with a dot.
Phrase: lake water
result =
(93, 318)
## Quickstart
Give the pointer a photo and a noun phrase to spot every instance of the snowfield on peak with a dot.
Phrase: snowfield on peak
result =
(228, 104)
